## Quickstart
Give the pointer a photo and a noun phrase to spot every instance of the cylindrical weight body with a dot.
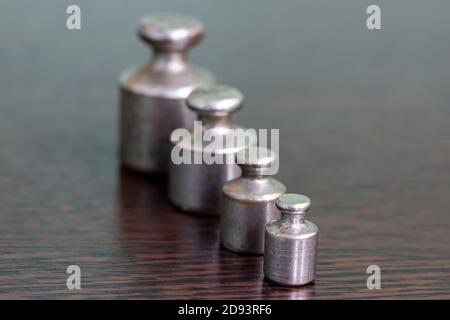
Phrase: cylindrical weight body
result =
(290, 253)
(146, 125)
(197, 188)
(243, 224)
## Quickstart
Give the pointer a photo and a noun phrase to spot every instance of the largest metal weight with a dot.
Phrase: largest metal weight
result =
(152, 96)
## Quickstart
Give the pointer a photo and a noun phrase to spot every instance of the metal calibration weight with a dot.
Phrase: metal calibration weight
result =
(291, 243)
(195, 185)
(152, 96)
(249, 202)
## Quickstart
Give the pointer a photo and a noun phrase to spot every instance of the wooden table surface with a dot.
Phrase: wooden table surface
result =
(364, 123)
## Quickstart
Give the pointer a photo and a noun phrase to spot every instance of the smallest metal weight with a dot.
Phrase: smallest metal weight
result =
(291, 243)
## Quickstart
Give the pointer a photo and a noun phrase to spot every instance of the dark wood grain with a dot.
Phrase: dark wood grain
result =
(373, 156)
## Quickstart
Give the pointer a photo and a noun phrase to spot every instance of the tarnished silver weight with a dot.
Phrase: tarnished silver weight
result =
(249, 202)
(152, 96)
(291, 243)
(208, 153)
